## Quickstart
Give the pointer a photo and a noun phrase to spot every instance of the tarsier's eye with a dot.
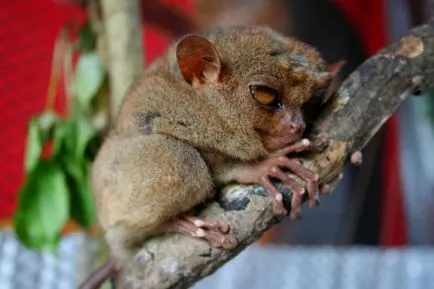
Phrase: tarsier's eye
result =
(265, 95)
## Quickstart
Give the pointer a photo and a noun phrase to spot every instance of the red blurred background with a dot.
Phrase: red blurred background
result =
(29, 29)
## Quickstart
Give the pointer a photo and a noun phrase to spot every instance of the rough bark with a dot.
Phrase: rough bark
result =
(123, 36)
(365, 100)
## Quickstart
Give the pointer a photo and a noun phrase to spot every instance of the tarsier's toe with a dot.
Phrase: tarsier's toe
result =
(278, 207)
(296, 206)
(279, 210)
(218, 226)
(325, 189)
(295, 215)
(313, 189)
(222, 227)
(219, 240)
(229, 242)
(313, 202)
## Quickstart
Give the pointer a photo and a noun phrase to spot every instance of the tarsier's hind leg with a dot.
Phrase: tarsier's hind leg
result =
(158, 179)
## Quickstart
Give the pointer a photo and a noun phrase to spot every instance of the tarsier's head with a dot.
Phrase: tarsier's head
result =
(265, 78)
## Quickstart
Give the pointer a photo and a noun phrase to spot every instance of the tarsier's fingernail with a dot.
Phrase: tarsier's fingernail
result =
(198, 223)
(311, 203)
(326, 189)
(279, 197)
(356, 158)
(200, 233)
(224, 228)
(305, 142)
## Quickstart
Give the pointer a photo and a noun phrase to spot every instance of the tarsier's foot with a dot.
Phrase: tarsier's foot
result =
(219, 226)
(215, 232)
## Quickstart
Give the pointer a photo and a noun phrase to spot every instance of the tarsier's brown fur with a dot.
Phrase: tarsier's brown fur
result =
(191, 122)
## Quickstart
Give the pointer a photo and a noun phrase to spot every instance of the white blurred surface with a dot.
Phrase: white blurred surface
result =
(299, 267)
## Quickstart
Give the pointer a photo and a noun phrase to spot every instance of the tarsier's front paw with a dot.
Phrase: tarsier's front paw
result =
(272, 167)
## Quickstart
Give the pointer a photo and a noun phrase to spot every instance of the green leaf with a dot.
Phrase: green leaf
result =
(89, 77)
(64, 138)
(34, 145)
(86, 38)
(46, 122)
(83, 205)
(71, 139)
(39, 131)
(43, 207)
(82, 202)
(84, 134)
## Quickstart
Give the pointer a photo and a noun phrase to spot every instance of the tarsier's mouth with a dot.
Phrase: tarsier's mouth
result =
(273, 142)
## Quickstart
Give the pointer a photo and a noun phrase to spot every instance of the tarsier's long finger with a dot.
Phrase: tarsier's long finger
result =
(308, 176)
(278, 207)
(299, 146)
(296, 205)
(296, 189)
(286, 180)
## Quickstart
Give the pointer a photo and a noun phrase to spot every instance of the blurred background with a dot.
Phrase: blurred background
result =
(375, 231)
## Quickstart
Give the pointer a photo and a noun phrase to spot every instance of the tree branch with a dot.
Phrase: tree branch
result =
(123, 36)
(366, 99)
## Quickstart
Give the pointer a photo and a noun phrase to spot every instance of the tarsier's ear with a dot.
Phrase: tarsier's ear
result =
(198, 60)
(333, 70)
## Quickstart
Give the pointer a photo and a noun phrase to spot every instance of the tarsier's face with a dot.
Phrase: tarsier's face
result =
(281, 79)
(277, 121)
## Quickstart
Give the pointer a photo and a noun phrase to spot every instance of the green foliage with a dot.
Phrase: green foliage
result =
(34, 145)
(89, 77)
(57, 184)
(87, 38)
(43, 206)
(39, 129)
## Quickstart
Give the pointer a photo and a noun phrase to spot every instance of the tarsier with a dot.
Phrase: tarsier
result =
(229, 105)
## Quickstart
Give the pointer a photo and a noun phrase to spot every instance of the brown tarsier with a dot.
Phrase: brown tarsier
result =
(225, 106)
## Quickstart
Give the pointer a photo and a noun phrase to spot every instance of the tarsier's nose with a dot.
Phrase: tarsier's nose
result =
(296, 128)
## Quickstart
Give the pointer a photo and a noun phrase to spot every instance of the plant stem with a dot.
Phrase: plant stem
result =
(122, 24)
(56, 67)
